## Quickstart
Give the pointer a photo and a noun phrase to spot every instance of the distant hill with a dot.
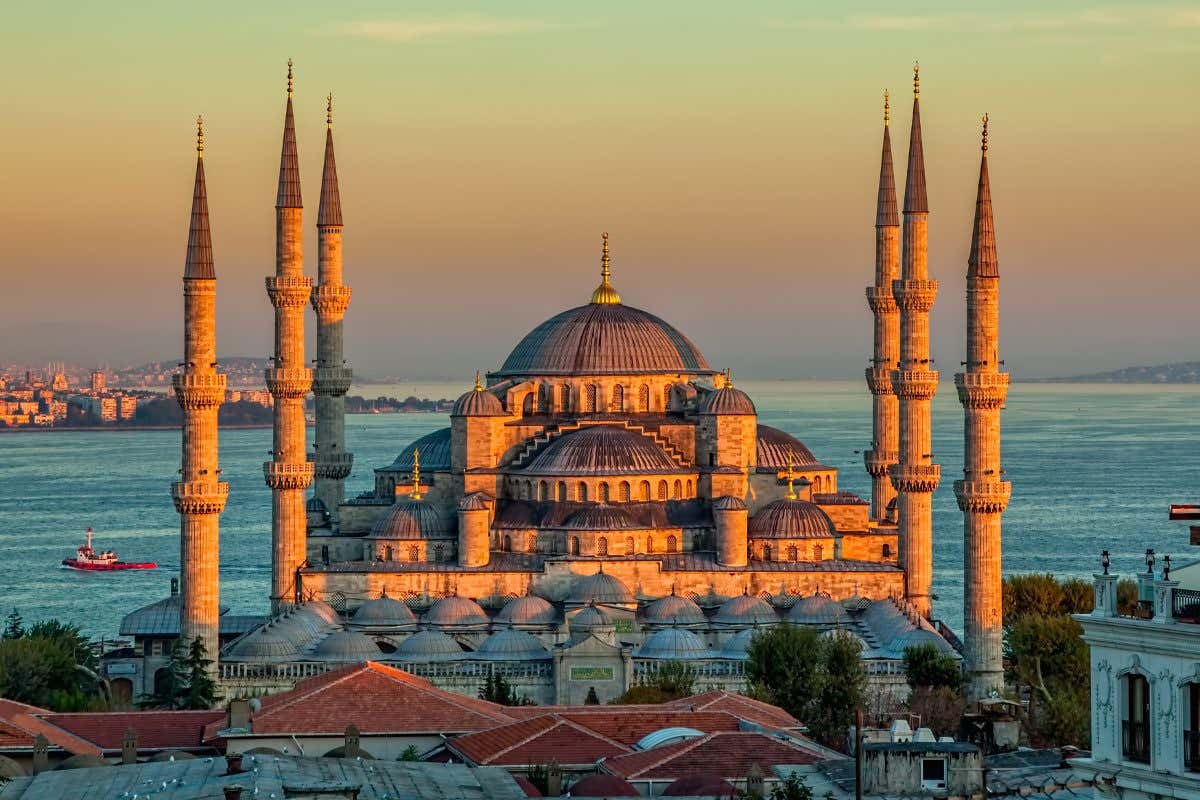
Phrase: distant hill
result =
(1183, 372)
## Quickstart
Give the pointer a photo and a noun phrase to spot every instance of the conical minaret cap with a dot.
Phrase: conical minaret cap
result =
(199, 262)
(329, 213)
(289, 163)
(886, 215)
(916, 201)
(982, 263)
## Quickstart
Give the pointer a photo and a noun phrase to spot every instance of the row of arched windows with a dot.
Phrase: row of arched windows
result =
(440, 553)
(602, 547)
(822, 484)
(590, 401)
(604, 492)
(792, 553)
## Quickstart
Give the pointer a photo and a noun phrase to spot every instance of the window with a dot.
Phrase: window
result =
(439, 553)
(818, 552)
(677, 490)
(564, 397)
(793, 553)
(1135, 729)
(574, 545)
(602, 494)
(527, 405)
(414, 553)
(1191, 736)
(589, 399)
(666, 398)
(766, 552)
(507, 546)
(602, 546)
(672, 544)
(689, 488)
(562, 491)
(649, 544)
(630, 547)
(887, 551)
(325, 553)
(643, 398)
(662, 490)
(618, 398)
(387, 553)
(543, 399)
(581, 492)
(933, 773)
(531, 543)
(624, 495)
(543, 491)
(644, 491)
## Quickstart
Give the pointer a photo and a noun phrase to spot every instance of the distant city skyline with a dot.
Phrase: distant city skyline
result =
(482, 150)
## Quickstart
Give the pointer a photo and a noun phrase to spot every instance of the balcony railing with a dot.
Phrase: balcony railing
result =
(1186, 607)
(1191, 751)
(1135, 741)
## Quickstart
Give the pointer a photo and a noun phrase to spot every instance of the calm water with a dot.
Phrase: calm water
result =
(1092, 467)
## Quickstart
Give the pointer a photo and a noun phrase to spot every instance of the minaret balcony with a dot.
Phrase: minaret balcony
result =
(916, 478)
(331, 466)
(879, 380)
(199, 497)
(282, 475)
(915, 295)
(333, 381)
(983, 497)
(289, 292)
(197, 391)
(289, 383)
(878, 462)
(913, 384)
(881, 300)
(982, 390)
(330, 302)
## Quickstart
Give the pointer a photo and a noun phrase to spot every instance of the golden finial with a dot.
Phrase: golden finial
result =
(289, 77)
(478, 382)
(791, 477)
(728, 378)
(329, 110)
(605, 294)
(916, 79)
(415, 494)
(200, 137)
(887, 109)
(985, 132)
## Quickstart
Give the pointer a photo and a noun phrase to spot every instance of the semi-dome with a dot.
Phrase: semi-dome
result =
(600, 587)
(738, 645)
(590, 618)
(434, 449)
(791, 519)
(745, 609)
(432, 645)
(512, 645)
(775, 447)
(603, 339)
(478, 402)
(602, 517)
(673, 609)
(383, 612)
(475, 501)
(527, 610)
(322, 610)
(347, 646)
(816, 609)
(729, 503)
(673, 644)
(263, 645)
(456, 612)
(412, 519)
(727, 400)
(602, 450)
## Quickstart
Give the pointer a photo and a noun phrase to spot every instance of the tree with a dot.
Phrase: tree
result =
(410, 753)
(201, 690)
(498, 690)
(592, 698)
(940, 708)
(14, 626)
(48, 664)
(170, 682)
(842, 690)
(792, 787)
(926, 665)
(670, 681)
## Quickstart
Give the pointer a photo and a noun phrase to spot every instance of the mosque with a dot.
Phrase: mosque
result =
(602, 503)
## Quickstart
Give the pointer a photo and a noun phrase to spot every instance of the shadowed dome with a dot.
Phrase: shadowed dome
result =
(745, 609)
(527, 610)
(673, 609)
(435, 453)
(512, 645)
(412, 519)
(590, 618)
(347, 646)
(478, 403)
(600, 588)
(456, 612)
(738, 645)
(727, 400)
(263, 645)
(791, 519)
(673, 644)
(817, 609)
(601, 518)
(603, 339)
(83, 761)
(433, 645)
(774, 446)
(601, 785)
(602, 450)
(383, 612)
(700, 786)
(728, 503)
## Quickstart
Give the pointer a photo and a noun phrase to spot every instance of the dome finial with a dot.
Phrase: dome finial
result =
(728, 377)
(478, 381)
(329, 110)
(415, 494)
(887, 108)
(289, 77)
(983, 147)
(199, 137)
(916, 79)
(605, 294)
(791, 477)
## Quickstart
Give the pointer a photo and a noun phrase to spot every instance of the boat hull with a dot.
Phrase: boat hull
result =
(116, 566)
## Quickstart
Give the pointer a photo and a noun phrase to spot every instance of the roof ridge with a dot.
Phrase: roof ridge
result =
(350, 670)
(449, 697)
(682, 747)
(596, 733)
(536, 734)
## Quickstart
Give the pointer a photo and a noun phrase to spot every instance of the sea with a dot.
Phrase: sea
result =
(1093, 467)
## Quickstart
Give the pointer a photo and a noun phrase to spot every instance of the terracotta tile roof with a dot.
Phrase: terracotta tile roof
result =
(13, 737)
(20, 724)
(377, 699)
(156, 730)
(740, 706)
(723, 754)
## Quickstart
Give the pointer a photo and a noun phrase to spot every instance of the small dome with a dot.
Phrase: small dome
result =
(700, 786)
(456, 612)
(600, 587)
(738, 645)
(602, 785)
(918, 637)
(412, 519)
(347, 646)
(478, 402)
(673, 609)
(727, 503)
(673, 644)
(172, 755)
(774, 447)
(791, 519)
(433, 645)
(383, 612)
(727, 400)
(83, 761)
(816, 609)
(745, 609)
(322, 610)
(264, 645)
(601, 517)
(512, 645)
(527, 610)
(590, 618)
(435, 453)
(602, 450)
(475, 501)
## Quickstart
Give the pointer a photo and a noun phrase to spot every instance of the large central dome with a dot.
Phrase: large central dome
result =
(603, 339)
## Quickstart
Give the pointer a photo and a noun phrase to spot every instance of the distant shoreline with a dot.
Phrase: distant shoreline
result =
(128, 428)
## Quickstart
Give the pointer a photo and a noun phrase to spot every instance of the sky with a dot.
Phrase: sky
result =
(730, 149)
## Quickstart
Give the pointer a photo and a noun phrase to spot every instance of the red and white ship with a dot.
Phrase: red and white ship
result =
(106, 561)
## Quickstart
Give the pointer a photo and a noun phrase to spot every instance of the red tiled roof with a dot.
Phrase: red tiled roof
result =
(536, 741)
(722, 754)
(11, 736)
(11, 708)
(377, 699)
(156, 730)
(21, 725)
(740, 706)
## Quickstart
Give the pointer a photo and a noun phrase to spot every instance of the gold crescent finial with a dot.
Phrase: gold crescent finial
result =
(605, 294)
(478, 382)
(329, 110)
(200, 137)
(916, 79)
(985, 132)
(791, 477)
(887, 108)
(415, 494)
(289, 77)
(728, 378)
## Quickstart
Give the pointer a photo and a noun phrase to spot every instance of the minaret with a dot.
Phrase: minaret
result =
(288, 473)
(915, 476)
(885, 428)
(199, 494)
(982, 493)
(331, 379)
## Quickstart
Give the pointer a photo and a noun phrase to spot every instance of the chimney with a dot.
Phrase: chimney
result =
(755, 785)
(239, 713)
(40, 757)
(350, 748)
(129, 746)
(554, 780)
(233, 765)
(174, 586)
(232, 792)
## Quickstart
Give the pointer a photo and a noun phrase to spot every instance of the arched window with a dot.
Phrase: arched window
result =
(618, 399)
(543, 491)
(414, 553)
(527, 405)
(677, 489)
(543, 403)
(581, 492)
(507, 546)
(887, 551)
(439, 553)
(387, 553)
(818, 552)
(643, 398)
(644, 491)
(589, 399)
(1136, 730)
(649, 543)
(562, 491)
(564, 397)
(531, 543)
(793, 553)
(602, 493)
(689, 488)
(672, 544)
(602, 546)
(624, 492)
(574, 545)
(630, 547)
(766, 552)
(666, 398)
(662, 490)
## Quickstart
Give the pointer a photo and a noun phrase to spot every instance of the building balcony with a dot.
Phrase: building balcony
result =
(289, 382)
(881, 300)
(283, 475)
(332, 380)
(1135, 741)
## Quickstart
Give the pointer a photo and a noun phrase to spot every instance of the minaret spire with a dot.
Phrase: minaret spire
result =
(289, 163)
(605, 294)
(199, 264)
(916, 200)
(983, 493)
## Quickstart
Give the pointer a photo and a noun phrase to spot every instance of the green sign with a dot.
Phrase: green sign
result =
(591, 673)
(624, 625)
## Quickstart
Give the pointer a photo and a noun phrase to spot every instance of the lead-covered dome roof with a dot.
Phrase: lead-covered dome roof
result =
(412, 519)
(600, 587)
(435, 453)
(673, 644)
(728, 400)
(673, 609)
(456, 612)
(774, 446)
(347, 646)
(603, 339)
(478, 402)
(602, 450)
(791, 519)
(528, 609)
(430, 644)
(512, 645)
(745, 609)
(383, 612)
(817, 609)
(601, 517)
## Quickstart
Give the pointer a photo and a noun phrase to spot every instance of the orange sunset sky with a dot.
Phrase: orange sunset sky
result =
(731, 149)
